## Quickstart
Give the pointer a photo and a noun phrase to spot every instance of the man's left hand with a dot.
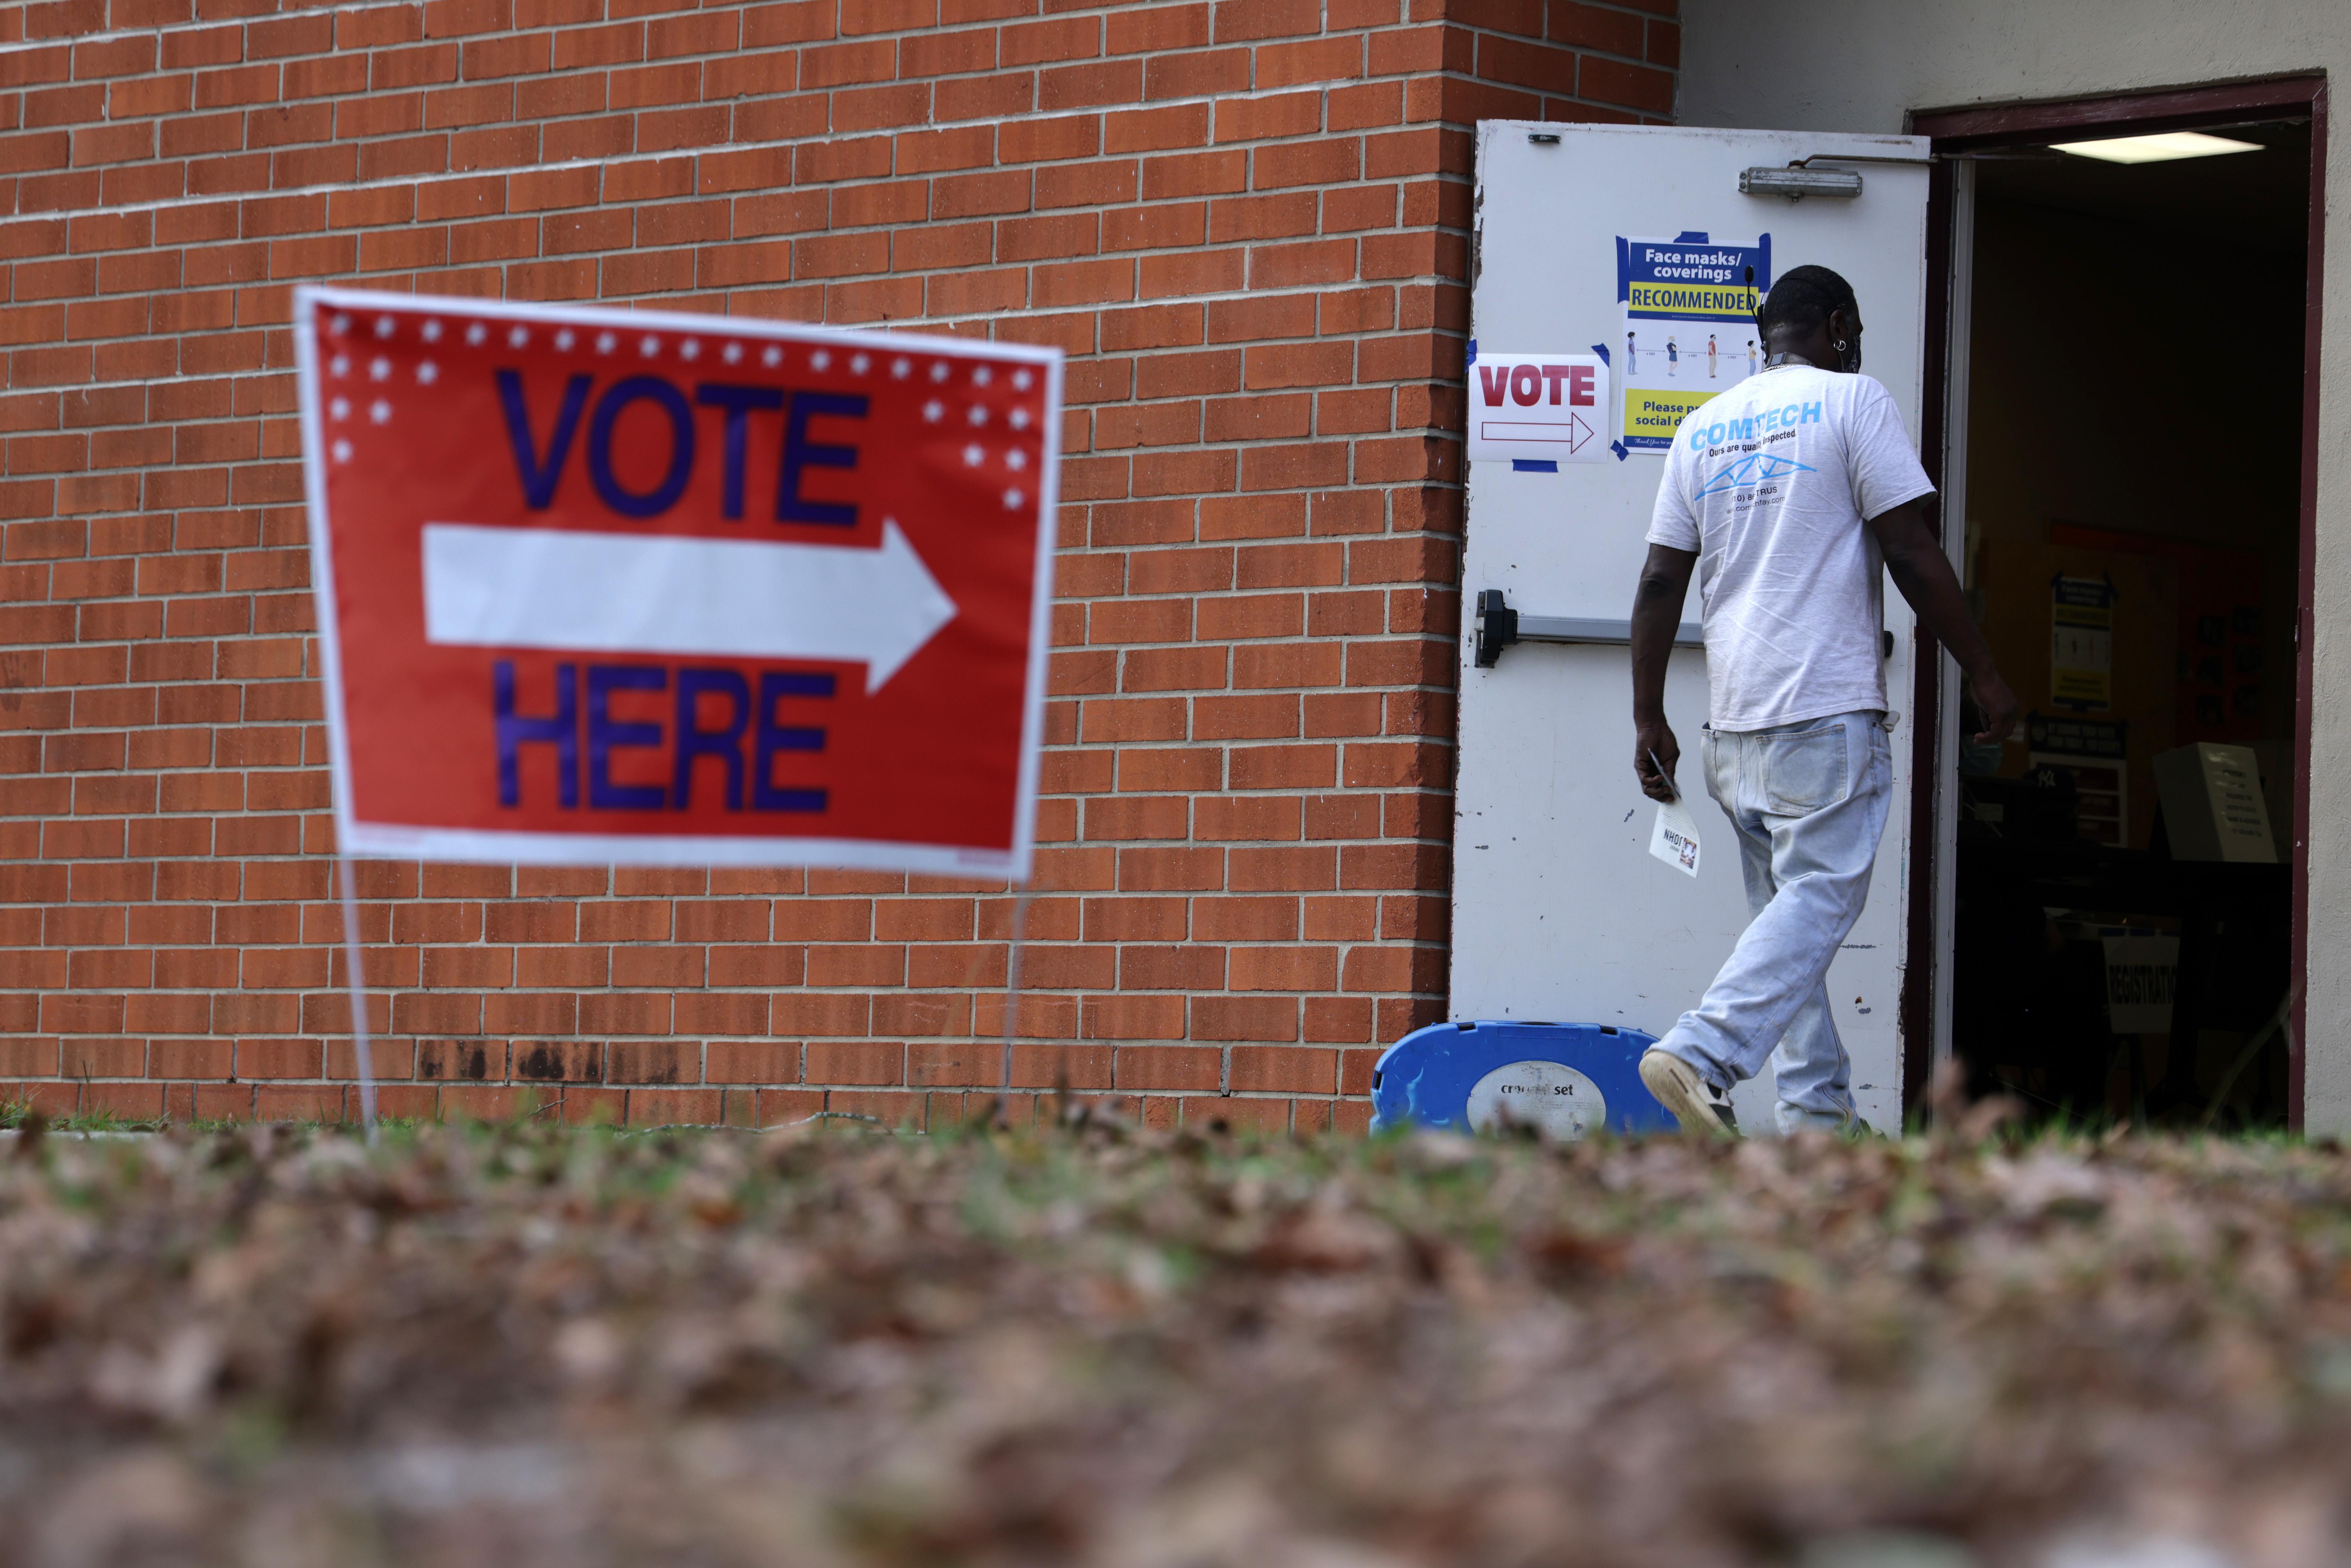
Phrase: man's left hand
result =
(1996, 703)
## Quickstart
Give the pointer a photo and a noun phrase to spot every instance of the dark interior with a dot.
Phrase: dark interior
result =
(2134, 467)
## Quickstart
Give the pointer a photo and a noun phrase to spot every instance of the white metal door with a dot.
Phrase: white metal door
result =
(1559, 911)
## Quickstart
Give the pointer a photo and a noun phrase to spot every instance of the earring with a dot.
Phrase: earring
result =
(1839, 346)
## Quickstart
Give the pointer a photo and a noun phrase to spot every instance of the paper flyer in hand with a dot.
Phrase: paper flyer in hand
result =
(1673, 840)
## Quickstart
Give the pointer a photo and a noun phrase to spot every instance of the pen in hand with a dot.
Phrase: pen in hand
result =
(1672, 788)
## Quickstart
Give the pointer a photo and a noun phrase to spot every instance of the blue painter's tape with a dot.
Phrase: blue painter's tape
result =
(1618, 448)
(1533, 465)
(1473, 351)
(1692, 237)
(1602, 350)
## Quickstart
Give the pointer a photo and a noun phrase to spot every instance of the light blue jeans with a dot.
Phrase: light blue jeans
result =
(1808, 803)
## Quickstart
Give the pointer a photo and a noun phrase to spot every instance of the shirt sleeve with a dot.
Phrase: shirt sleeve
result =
(1884, 466)
(1673, 520)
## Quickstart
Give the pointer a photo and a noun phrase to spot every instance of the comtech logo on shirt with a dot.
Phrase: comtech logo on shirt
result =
(1760, 423)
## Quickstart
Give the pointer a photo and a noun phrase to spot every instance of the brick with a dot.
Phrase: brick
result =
(976, 195)
(1634, 87)
(1166, 1068)
(1145, 1017)
(936, 53)
(653, 1062)
(1664, 44)
(1327, 60)
(1295, 1070)
(1155, 28)
(1363, 108)
(855, 1061)
(1158, 228)
(675, 1107)
(1089, 86)
(1033, 239)
(974, 97)
(1134, 819)
(1526, 65)
(1177, 175)
(1053, 40)
(751, 1062)
(1156, 129)
(962, 147)
(1306, 164)
(1267, 217)
(793, 22)
(1153, 326)
(1248, 817)
(1086, 184)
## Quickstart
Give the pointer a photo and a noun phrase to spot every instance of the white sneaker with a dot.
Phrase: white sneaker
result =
(1697, 1104)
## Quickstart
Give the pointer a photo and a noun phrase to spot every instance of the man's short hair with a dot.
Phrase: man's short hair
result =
(1803, 297)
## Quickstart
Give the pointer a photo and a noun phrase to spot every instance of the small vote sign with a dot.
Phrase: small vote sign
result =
(618, 587)
(1546, 409)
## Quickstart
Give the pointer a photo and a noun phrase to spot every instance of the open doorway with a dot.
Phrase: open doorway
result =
(2122, 911)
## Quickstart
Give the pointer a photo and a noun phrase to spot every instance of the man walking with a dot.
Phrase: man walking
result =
(1788, 493)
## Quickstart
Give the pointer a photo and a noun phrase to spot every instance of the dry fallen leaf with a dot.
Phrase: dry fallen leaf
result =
(1098, 1345)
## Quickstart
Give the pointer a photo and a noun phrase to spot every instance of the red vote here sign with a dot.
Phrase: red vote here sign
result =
(600, 586)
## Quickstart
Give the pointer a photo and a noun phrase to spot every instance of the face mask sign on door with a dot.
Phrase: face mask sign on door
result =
(1688, 326)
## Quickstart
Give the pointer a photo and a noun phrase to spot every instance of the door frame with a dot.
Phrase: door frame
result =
(1933, 806)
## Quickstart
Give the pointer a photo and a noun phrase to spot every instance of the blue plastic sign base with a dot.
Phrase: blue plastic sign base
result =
(1567, 1081)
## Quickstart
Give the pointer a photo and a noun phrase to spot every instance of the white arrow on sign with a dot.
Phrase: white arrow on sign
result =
(615, 593)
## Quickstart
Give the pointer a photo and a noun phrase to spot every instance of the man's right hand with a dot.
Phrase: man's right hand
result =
(1656, 615)
(1654, 747)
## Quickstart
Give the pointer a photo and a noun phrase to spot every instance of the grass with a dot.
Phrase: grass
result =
(1087, 1344)
(15, 1114)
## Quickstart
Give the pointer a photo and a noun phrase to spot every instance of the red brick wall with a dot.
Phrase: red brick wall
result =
(1245, 221)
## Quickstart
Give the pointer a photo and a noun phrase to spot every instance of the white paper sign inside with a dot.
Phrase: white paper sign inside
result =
(1673, 840)
(1544, 408)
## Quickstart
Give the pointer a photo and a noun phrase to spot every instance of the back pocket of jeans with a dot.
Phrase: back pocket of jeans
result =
(1805, 772)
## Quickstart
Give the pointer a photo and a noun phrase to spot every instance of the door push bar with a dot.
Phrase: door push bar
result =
(1500, 626)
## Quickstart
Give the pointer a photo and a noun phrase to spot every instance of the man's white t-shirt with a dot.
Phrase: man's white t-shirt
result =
(1770, 484)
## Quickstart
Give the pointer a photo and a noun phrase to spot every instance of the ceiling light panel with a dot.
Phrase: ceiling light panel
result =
(2160, 149)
